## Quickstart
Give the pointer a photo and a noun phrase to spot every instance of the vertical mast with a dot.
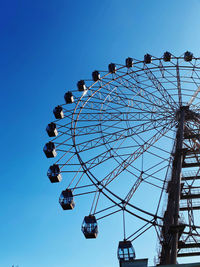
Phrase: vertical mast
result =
(176, 184)
(170, 230)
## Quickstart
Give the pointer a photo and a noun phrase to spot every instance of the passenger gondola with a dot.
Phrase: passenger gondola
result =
(81, 86)
(129, 62)
(147, 59)
(69, 99)
(95, 76)
(125, 251)
(112, 68)
(54, 173)
(51, 129)
(167, 56)
(89, 227)
(188, 56)
(58, 112)
(50, 150)
(66, 200)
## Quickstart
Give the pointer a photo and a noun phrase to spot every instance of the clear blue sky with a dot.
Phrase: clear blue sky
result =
(46, 47)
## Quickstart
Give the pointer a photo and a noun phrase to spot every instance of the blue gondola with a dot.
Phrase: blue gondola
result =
(54, 173)
(95, 76)
(68, 97)
(50, 150)
(51, 129)
(147, 59)
(66, 200)
(112, 68)
(167, 56)
(89, 227)
(188, 56)
(129, 62)
(81, 85)
(125, 251)
(58, 112)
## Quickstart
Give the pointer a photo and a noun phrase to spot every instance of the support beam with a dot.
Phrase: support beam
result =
(176, 178)
(191, 136)
(188, 178)
(190, 196)
(171, 227)
(189, 254)
(179, 85)
(193, 164)
(193, 207)
(188, 245)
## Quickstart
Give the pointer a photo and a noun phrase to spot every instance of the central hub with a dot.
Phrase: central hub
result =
(189, 114)
(179, 111)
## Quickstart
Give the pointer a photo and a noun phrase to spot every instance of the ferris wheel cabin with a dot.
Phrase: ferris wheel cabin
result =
(51, 129)
(188, 56)
(112, 68)
(147, 59)
(68, 97)
(89, 227)
(81, 86)
(58, 112)
(54, 173)
(95, 76)
(125, 251)
(129, 62)
(50, 150)
(167, 56)
(66, 200)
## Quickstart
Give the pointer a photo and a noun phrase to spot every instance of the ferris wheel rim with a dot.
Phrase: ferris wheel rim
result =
(75, 117)
(85, 102)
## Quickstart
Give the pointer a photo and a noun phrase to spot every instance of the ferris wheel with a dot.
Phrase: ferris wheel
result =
(129, 138)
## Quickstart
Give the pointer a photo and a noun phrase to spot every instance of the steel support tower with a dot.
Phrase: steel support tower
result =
(185, 154)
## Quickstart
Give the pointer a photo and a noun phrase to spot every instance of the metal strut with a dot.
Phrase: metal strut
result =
(177, 184)
(171, 226)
